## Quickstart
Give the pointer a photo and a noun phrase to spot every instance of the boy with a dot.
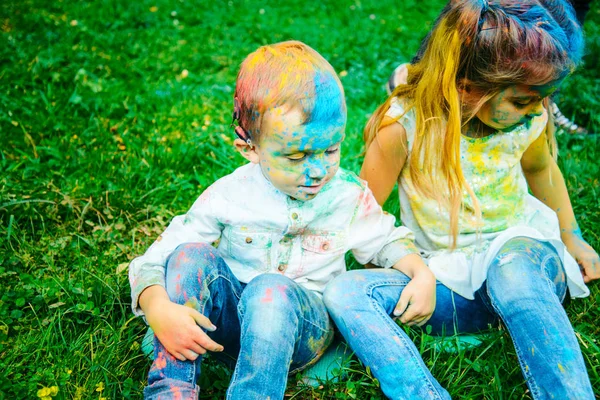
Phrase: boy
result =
(284, 220)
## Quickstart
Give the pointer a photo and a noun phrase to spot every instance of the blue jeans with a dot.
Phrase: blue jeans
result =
(524, 289)
(271, 326)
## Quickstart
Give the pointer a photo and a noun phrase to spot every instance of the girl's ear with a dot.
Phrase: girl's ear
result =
(249, 152)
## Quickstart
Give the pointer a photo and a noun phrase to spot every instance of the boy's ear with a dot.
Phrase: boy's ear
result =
(247, 151)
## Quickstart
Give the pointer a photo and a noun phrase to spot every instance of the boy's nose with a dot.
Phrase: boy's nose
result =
(317, 170)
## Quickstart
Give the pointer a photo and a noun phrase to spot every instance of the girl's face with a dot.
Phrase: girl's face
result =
(515, 105)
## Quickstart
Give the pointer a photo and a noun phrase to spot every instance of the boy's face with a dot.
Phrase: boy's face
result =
(298, 159)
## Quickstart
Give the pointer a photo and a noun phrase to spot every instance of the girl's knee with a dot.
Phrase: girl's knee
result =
(523, 267)
(354, 288)
(343, 289)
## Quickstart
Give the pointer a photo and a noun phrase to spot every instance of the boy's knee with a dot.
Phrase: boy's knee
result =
(270, 289)
(197, 254)
(270, 297)
(188, 266)
(263, 283)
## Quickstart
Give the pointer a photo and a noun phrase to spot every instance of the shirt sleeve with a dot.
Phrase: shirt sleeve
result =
(374, 237)
(199, 225)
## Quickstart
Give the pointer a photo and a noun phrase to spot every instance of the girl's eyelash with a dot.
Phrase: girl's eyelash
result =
(332, 151)
(521, 105)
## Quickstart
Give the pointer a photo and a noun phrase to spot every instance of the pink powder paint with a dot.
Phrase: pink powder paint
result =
(178, 284)
(282, 290)
(268, 296)
(161, 361)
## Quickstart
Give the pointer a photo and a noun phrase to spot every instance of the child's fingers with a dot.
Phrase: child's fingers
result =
(196, 348)
(423, 321)
(202, 320)
(206, 342)
(590, 269)
(410, 315)
(402, 303)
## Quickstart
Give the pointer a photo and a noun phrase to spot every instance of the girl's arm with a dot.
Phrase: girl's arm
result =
(384, 160)
(547, 184)
(381, 168)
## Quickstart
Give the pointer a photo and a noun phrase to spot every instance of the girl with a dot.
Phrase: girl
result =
(464, 138)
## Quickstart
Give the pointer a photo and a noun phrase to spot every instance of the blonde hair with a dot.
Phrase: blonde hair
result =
(289, 73)
(492, 45)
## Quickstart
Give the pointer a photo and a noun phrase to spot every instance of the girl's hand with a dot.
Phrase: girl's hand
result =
(176, 327)
(417, 301)
(586, 257)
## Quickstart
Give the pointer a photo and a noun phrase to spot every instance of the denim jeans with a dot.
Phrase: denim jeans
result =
(271, 326)
(524, 289)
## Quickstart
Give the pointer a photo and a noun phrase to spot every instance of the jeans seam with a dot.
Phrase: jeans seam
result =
(535, 391)
(315, 325)
(394, 325)
(315, 358)
(213, 277)
(549, 281)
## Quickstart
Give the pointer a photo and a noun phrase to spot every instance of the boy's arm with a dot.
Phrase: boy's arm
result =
(548, 185)
(176, 326)
(199, 225)
(374, 238)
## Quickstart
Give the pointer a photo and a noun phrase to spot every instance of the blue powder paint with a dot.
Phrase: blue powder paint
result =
(329, 110)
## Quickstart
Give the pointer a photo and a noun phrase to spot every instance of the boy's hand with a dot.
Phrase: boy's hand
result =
(176, 327)
(586, 257)
(417, 301)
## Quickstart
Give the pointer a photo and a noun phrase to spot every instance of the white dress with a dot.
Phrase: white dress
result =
(491, 166)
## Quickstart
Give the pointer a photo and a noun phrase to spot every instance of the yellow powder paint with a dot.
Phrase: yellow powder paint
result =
(561, 368)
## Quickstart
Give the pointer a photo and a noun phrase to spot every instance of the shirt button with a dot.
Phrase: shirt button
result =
(281, 267)
(294, 216)
(248, 240)
(325, 246)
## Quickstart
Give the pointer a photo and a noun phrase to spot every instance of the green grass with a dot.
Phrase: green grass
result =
(103, 142)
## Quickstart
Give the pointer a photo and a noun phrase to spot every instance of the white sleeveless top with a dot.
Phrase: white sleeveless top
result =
(491, 165)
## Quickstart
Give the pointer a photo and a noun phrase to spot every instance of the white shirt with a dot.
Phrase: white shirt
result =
(262, 230)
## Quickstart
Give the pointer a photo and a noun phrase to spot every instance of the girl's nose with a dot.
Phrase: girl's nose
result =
(537, 110)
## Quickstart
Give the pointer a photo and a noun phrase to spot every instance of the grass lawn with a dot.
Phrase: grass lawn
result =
(114, 116)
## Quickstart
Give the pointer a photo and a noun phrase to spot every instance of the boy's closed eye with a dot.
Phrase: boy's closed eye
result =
(302, 155)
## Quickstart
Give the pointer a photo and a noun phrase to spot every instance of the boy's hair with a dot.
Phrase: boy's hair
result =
(288, 73)
(491, 45)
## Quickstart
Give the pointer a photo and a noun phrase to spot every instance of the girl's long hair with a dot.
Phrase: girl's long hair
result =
(491, 45)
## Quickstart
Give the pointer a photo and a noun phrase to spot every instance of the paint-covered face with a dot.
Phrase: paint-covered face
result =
(299, 159)
(515, 105)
